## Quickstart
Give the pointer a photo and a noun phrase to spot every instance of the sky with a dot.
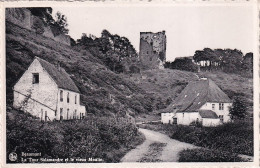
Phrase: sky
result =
(188, 28)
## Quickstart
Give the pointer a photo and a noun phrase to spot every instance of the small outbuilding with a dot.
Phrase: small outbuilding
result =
(200, 102)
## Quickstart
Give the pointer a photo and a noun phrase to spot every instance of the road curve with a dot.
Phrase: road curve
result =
(168, 154)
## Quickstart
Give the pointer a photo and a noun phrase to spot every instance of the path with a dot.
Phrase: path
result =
(169, 152)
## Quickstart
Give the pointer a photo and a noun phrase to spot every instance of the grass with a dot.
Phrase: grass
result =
(96, 137)
(165, 85)
(95, 82)
(231, 137)
(154, 151)
(206, 155)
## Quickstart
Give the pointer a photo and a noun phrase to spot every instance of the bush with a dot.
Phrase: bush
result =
(233, 137)
(94, 137)
(206, 155)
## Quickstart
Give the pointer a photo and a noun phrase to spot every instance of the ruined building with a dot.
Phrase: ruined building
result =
(152, 49)
(24, 18)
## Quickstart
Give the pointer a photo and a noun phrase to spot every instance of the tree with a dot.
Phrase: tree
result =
(61, 23)
(45, 13)
(238, 109)
(247, 64)
(185, 64)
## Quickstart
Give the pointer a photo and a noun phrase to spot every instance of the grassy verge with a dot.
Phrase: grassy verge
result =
(96, 137)
(206, 155)
(231, 137)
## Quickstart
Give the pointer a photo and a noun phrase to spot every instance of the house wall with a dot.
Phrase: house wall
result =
(43, 95)
(209, 122)
(167, 118)
(224, 112)
(69, 110)
(187, 118)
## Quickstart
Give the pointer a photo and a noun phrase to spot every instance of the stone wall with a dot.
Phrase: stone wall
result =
(148, 57)
(19, 16)
(23, 18)
(153, 49)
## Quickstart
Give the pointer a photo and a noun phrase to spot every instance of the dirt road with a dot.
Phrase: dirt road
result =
(157, 147)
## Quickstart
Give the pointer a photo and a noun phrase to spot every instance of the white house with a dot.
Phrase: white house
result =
(48, 92)
(201, 101)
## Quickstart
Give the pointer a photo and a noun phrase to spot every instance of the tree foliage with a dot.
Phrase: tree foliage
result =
(227, 60)
(45, 13)
(113, 49)
(61, 23)
(238, 109)
(185, 64)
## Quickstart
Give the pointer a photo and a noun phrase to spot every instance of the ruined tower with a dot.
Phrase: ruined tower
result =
(152, 51)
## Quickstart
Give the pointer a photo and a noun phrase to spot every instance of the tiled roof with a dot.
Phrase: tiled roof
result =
(196, 94)
(207, 114)
(61, 77)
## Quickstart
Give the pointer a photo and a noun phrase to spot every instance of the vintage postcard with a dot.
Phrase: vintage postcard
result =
(130, 84)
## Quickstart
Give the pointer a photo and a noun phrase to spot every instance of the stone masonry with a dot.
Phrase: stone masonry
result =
(152, 49)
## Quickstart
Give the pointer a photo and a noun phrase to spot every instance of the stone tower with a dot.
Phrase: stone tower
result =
(152, 52)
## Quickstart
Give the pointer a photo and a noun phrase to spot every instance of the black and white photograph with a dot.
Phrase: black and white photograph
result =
(126, 83)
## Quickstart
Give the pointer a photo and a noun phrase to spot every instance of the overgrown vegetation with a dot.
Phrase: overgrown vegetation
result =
(206, 155)
(184, 64)
(98, 85)
(234, 137)
(58, 24)
(228, 60)
(104, 93)
(116, 52)
(225, 60)
(95, 137)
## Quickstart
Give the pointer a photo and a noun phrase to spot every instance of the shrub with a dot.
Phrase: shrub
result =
(97, 137)
(206, 155)
(233, 137)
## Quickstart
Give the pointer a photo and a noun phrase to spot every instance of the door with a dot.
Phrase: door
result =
(174, 120)
(46, 116)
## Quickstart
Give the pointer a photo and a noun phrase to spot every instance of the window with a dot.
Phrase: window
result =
(35, 78)
(151, 59)
(221, 106)
(221, 118)
(75, 99)
(213, 106)
(147, 52)
(68, 111)
(61, 113)
(182, 114)
(68, 97)
(61, 95)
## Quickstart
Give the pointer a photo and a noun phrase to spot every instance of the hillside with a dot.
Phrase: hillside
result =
(168, 83)
(102, 91)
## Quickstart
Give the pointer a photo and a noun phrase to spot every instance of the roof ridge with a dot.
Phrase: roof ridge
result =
(61, 77)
